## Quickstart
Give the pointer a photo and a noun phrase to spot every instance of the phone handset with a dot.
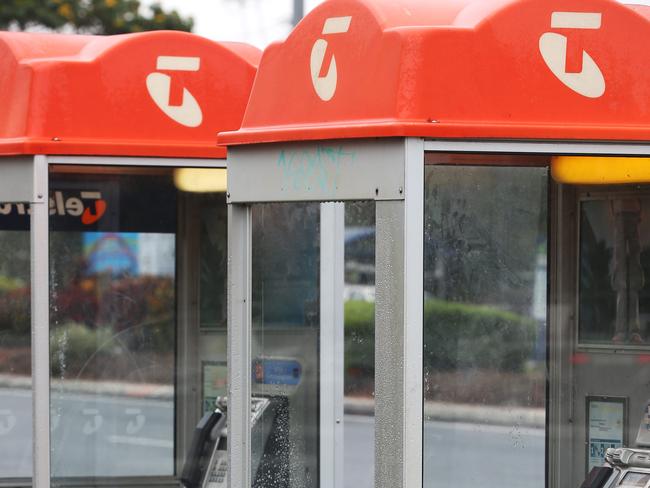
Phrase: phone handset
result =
(204, 443)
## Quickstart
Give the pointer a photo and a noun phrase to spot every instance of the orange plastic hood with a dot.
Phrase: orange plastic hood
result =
(534, 69)
(147, 94)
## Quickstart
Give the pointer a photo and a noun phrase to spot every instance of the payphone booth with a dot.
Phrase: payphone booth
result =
(113, 319)
(501, 148)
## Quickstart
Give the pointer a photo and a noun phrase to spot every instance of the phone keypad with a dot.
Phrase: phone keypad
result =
(219, 474)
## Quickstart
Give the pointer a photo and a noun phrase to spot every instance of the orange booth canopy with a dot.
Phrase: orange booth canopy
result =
(532, 69)
(148, 94)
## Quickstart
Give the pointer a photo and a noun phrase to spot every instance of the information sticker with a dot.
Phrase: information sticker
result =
(215, 383)
(606, 427)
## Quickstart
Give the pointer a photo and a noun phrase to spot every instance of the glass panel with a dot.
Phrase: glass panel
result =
(15, 343)
(614, 262)
(484, 326)
(359, 381)
(285, 345)
(112, 323)
(213, 250)
(137, 325)
(606, 368)
(212, 309)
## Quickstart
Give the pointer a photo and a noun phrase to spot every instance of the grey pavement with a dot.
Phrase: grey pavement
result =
(458, 454)
(134, 436)
(91, 435)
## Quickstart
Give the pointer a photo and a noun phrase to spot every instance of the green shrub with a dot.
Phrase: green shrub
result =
(463, 336)
(73, 345)
(360, 336)
(15, 315)
(10, 283)
(456, 336)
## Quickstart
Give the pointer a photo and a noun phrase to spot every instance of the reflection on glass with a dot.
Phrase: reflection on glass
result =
(213, 251)
(112, 324)
(484, 326)
(359, 381)
(113, 247)
(614, 264)
(285, 350)
(15, 347)
(635, 479)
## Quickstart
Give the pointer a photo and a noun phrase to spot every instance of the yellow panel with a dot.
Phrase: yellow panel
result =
(201, 179)
(592, 170)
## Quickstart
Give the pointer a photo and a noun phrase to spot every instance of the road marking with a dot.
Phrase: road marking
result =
(140, 441)
(93, 424)
(482, 428)
(9, 421)
(135, 425)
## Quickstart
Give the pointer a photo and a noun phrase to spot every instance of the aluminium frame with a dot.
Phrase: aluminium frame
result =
(39, 237)
(391, 173)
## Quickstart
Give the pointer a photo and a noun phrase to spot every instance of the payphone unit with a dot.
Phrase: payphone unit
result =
(625, 467)
(206, 463)
(277, 383)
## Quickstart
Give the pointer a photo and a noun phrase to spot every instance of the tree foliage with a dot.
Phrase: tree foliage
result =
(89, 16)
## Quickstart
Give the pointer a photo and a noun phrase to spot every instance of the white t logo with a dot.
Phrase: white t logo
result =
(95, 422)
(137, 422)
(590, 81)
(325, 86)
(7, 421)
(188, 113)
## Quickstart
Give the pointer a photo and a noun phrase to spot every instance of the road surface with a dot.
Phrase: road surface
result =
(134, 437)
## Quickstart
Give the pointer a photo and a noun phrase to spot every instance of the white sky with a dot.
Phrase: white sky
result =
(257, 22)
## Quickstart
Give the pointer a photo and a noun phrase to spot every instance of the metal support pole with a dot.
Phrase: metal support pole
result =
(332, 350)
(298, 11)
(389, 346)
(413, 310)
(398, 330)
(40, 325)
(239, 345)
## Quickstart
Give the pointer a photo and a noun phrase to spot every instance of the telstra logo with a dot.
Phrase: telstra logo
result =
(589, 81)
(325, 86)
(88, 205)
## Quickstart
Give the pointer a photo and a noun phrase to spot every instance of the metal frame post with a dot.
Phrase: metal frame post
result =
(389, 346)
(39, 236)
(188, 373)
(398, 330)
(332, 347)
(391, 173)
(239, 345)
(413, 310)
(563, 279)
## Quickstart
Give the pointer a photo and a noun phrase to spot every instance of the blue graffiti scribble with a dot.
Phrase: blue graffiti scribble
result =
(315, 170)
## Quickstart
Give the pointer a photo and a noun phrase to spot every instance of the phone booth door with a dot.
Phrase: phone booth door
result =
(600, 342)
(321, 233)
(24, 185)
